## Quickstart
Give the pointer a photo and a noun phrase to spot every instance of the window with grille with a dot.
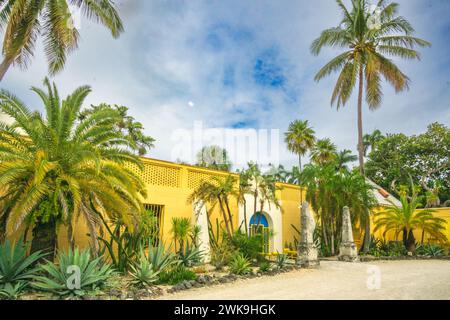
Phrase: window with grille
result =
(154, 222)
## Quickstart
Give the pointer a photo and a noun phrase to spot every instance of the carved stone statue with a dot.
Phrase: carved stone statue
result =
(347, 250)
(307, 251)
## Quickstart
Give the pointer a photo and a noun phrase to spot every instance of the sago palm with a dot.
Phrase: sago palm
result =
(55, 169)
(23, 21)
(406, 218)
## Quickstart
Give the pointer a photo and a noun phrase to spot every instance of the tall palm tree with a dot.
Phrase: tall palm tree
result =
(300, 138)
(370, 140)
(344, 157)
(55, 169)
(323, 152)
(368, 36)
(24, 21)
(407, 218)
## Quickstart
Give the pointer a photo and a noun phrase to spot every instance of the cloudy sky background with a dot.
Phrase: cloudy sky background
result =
(242, 64)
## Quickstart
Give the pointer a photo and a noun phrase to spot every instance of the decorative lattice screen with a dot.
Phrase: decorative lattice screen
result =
(195, 178)
(161, 175)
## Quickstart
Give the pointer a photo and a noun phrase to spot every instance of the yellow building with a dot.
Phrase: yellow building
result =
(169, 186)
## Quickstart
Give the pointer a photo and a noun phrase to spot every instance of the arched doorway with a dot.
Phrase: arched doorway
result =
(260, 224)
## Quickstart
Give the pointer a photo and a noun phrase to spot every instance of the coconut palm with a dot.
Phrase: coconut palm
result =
(344, 157)
(368, 34)
(24, 21)
(323, 152)
(370, 140)
(55, 169)
(299, 139)
(406, 218)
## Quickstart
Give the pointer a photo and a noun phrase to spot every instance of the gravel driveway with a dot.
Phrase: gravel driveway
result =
(413, 279)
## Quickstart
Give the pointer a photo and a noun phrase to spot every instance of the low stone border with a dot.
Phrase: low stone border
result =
(373, 258)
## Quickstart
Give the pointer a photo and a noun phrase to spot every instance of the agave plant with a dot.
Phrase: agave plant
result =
(12, 291)
(15, 264)
(430, 250)
(160, 258)
(143, 272)
(190, 255)
(281, 260)
(240, 265)
(75, 273)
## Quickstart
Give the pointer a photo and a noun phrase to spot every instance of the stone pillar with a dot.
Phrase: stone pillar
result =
(307, 251)
(201, 220)
(347, 250)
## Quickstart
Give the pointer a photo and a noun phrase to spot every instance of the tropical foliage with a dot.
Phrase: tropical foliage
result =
(75, 274)
(131, 129)
(143, 273)
(424, 157)
(406, 218)
(214, 157)
(55, 169)
(25, 21)
(240, 265)
(299, 139)
(15, 264)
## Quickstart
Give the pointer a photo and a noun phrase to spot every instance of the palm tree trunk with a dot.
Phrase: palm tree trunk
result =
(423, 236)
(366, 244)
(229, 214)
(224, 215)
(245, 216)
(4, 66)
(299, 182)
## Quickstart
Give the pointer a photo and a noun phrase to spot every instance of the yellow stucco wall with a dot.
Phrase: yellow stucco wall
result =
(170, 184)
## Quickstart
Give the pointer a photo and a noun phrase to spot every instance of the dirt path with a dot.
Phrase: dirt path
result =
(418, 279)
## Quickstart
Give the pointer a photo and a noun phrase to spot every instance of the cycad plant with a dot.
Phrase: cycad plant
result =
(406, 218)
(24, 21)
(55, 169)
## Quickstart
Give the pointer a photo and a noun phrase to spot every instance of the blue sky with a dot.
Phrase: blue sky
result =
(242, 64)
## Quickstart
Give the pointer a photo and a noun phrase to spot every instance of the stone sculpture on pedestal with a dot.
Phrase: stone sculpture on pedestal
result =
(307, 251)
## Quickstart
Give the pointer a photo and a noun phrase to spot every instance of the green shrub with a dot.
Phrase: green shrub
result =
(160, 258)
(264, 267)
(281, 260)
(430, 250)
(143, 273)
(176, 275)
(250, 246)
(11, 291)
(396, 249)
(15, 264)
(61, 278)
(221, 255)
(240, 265)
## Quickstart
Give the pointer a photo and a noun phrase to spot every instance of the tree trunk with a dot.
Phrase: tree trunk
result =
(245, 217)
(3, 227)
(229, 214)
(45, 238)
(423, 236)
(224, 216)
(366, 243)
(410, 242)
(4, 66)
(299, 182)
